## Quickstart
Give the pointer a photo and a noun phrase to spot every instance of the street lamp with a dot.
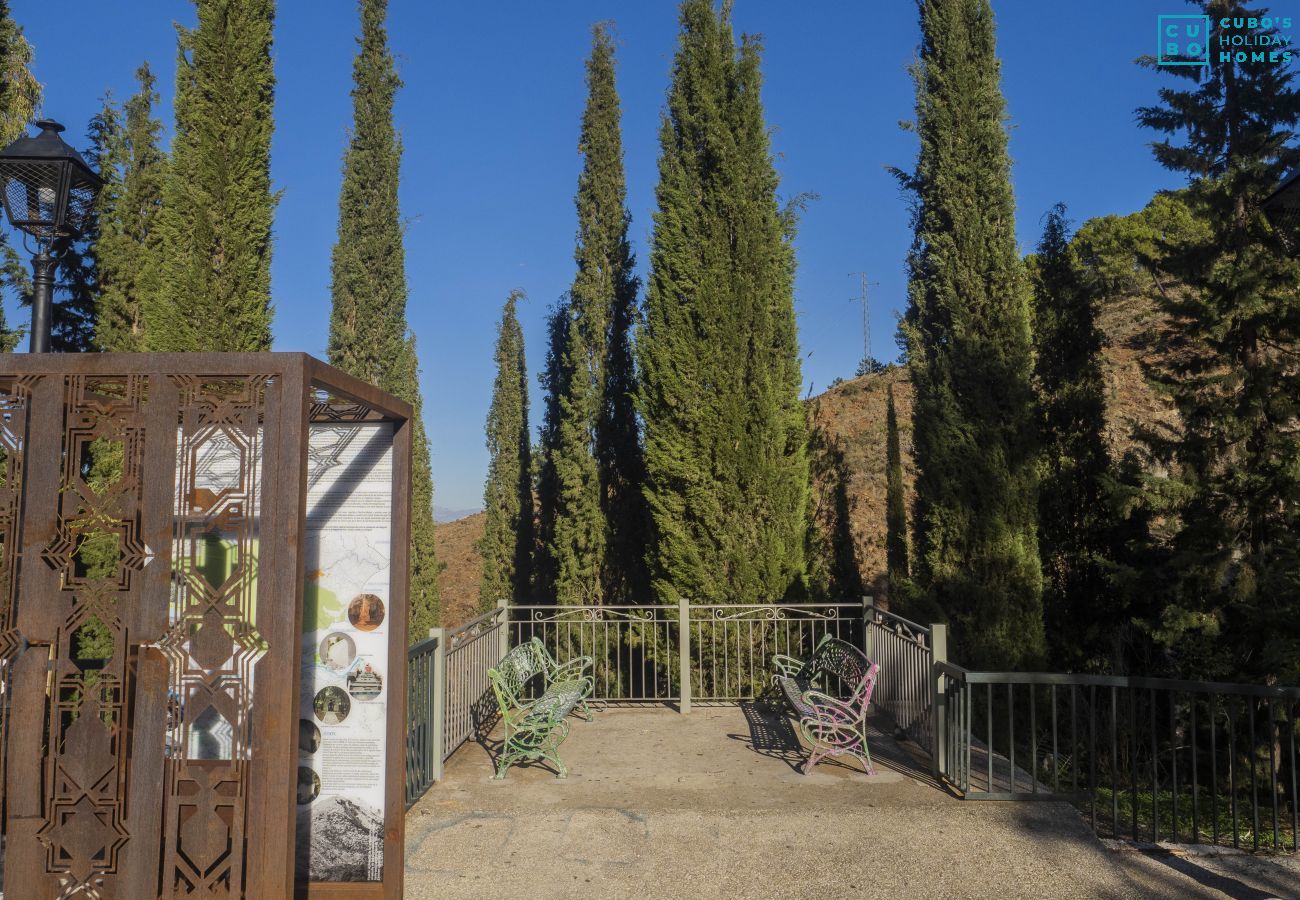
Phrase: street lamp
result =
(47, 190)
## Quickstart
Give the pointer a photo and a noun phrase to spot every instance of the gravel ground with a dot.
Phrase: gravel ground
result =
(661, 805)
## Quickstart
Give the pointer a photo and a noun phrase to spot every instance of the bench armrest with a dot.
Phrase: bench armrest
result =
(829, 708)
(787, 666)
(571, 669)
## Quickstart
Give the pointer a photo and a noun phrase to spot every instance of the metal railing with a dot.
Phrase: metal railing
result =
(730, 647)
(904, 688)
(1150, 759)
(639, 652)
(449, 698)
(634, 647)
(423, 750)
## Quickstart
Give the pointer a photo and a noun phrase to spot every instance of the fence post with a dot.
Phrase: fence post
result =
(503, 636)
(438, 701)
(868, 638)
(939, 733)
(684, 653)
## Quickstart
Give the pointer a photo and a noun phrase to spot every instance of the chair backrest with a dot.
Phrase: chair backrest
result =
(512, 674)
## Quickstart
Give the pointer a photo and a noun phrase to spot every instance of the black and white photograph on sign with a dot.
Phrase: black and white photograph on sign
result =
(340, 839)
(308, 736)
(365, 683)
(337, 651)
(331, 705)
(366, 612)
(308, 785)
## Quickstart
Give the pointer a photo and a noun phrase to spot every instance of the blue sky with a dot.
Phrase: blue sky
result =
(490, 115)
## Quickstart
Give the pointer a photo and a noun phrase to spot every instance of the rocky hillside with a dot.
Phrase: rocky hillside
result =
(848, 424)
(848, 458)
(462, 567)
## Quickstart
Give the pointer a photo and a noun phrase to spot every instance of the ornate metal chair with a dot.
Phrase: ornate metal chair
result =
(536, 728)
(833, 726)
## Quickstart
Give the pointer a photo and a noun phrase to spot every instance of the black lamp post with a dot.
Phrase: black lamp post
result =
(47, 190)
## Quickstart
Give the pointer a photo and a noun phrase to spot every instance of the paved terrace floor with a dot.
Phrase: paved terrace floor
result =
(710, 804)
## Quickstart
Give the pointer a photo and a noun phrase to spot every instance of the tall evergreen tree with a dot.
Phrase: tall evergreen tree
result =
(605, 271)
(507, 542)
(589, 546)
(1234, 484)
(967, 330)
(725, 433)
(214, 290)
(1075, 527)
(895, 501)
(20, 96)
(128, 252)
(369, 337)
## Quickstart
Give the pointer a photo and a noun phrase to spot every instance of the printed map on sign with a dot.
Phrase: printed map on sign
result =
(341, 727)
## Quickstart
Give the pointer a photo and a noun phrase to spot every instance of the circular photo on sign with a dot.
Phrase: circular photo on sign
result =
(337, 651)
(308, 736)
(331, 705)
(308, 785)
(366, 612)
(364, 683)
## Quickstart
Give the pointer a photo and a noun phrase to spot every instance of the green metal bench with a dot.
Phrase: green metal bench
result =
(833, 726)
(536, 728)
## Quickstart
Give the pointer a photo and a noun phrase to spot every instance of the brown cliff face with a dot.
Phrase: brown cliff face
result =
(848, 424)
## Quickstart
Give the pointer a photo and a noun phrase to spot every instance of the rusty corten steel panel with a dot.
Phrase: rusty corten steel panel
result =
(151, 514)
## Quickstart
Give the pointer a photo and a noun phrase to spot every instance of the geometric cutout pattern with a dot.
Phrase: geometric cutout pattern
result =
(99, 507)
(212, 645)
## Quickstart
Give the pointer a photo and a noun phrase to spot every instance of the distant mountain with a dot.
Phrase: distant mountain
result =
(443, 514)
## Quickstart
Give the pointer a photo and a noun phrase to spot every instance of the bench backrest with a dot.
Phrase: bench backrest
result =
(844, 661)
(516, 669)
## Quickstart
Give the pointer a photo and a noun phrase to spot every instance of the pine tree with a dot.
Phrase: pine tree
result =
(1233, 482)
(214, 290)
(589, 546)
(895, 501)
(1075, 528)
(20, 96)
(507, 543)
(369, 337)
(128, 251)
(725, 433)
(967, 328)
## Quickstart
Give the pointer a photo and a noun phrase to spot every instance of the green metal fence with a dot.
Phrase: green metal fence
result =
(1148, 759)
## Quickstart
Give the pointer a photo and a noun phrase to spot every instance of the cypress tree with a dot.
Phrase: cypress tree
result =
(967, 330)
(1075, 527)
(725, 433)
(1233, 486)
(128, 252)
(507, 543)
(369, 337)
(214, 290)
(605, 271)
(590, 506)
(895, 501)
(20, 95)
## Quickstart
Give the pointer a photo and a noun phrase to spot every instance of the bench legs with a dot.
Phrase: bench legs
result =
(829, 739)
(534, 740)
